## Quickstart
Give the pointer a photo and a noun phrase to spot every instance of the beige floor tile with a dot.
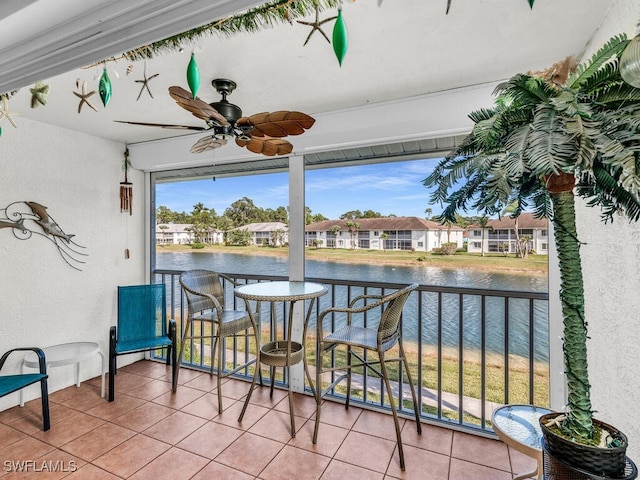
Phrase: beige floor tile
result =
(109, 410)
(210, 440)
(183, 396)
(436, 439)
(144, 416)
(250, 453)
(216, 470)
(98, 441)
(338, 470)
(420, 464)
(175, 427)
(69, 429)
(132, 455)
(276, 426)
(206, 406)
(461, 470)
(330, 438)
(174, 464)
(371, 452)
(377, 424)
(484, 451)
(295, 463)
(336, 414)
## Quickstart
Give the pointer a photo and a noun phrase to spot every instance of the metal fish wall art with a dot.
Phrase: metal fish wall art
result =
(28, 218)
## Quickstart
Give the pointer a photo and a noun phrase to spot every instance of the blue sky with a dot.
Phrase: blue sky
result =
(389, 188)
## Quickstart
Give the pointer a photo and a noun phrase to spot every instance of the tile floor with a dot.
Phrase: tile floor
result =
(149, 433)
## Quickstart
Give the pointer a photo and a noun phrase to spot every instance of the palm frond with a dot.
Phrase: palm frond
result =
(602, 77)
(584, 133)
(525, 90)
(619, 92)
(551, 151)
(602, 189)
(542, 204)
(613, 48)
(482, 114)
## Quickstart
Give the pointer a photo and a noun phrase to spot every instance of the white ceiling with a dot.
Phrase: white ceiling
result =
(402, 48)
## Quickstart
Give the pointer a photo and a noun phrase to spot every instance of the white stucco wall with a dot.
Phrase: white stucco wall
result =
(611, 268)
(43, 301)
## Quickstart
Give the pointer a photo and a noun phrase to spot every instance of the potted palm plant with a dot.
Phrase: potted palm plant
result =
(572, 130)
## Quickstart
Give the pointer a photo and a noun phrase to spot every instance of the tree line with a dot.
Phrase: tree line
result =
(242, 212)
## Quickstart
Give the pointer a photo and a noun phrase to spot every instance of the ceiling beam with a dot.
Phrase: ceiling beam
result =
(76, 34)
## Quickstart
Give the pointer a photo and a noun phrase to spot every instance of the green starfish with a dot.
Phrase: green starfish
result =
(39, 94)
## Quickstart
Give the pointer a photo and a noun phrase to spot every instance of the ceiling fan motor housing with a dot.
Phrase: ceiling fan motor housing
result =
(228, 110)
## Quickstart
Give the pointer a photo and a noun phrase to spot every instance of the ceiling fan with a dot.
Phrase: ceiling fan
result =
(261, 133)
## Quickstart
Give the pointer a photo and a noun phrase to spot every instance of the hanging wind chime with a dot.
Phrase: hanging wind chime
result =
(126, 187)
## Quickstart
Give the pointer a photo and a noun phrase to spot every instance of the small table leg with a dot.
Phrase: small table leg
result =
(102, 372)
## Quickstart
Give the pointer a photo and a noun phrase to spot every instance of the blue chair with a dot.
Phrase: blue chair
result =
(142, 326)
(13, 383)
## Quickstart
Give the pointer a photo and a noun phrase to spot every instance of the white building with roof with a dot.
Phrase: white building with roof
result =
(389, 233)
(267, 233)
(500, 235)
(181, 234)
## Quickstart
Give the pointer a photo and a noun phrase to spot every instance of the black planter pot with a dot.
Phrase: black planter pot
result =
(599, 462)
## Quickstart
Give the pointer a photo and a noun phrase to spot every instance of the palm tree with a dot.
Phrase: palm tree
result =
(551, 136)
(483, 221)
(514, 209)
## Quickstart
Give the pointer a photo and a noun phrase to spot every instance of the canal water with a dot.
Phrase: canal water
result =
(452, 330)
(268, 265)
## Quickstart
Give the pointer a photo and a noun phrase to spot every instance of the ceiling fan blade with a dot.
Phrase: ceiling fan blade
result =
(197, 107)
(277, 124)
(207, 143)
(266, 146)
(164, 125)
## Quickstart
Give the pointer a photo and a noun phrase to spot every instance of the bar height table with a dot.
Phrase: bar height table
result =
(281, 352)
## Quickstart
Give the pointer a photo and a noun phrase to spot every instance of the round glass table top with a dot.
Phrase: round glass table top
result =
(520, 423)
(280, 291)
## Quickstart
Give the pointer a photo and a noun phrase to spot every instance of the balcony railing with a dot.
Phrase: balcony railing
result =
(469, 349)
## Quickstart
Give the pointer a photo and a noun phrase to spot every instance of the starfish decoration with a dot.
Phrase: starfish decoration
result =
(84, 97)
(316, 26)
(145, 82)
(39, 94)
(5, 113)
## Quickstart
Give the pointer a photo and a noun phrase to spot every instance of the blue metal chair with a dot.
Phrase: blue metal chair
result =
(142, 326)
(13, 383)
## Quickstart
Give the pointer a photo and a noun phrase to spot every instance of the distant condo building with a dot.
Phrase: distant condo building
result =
(389, 233)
